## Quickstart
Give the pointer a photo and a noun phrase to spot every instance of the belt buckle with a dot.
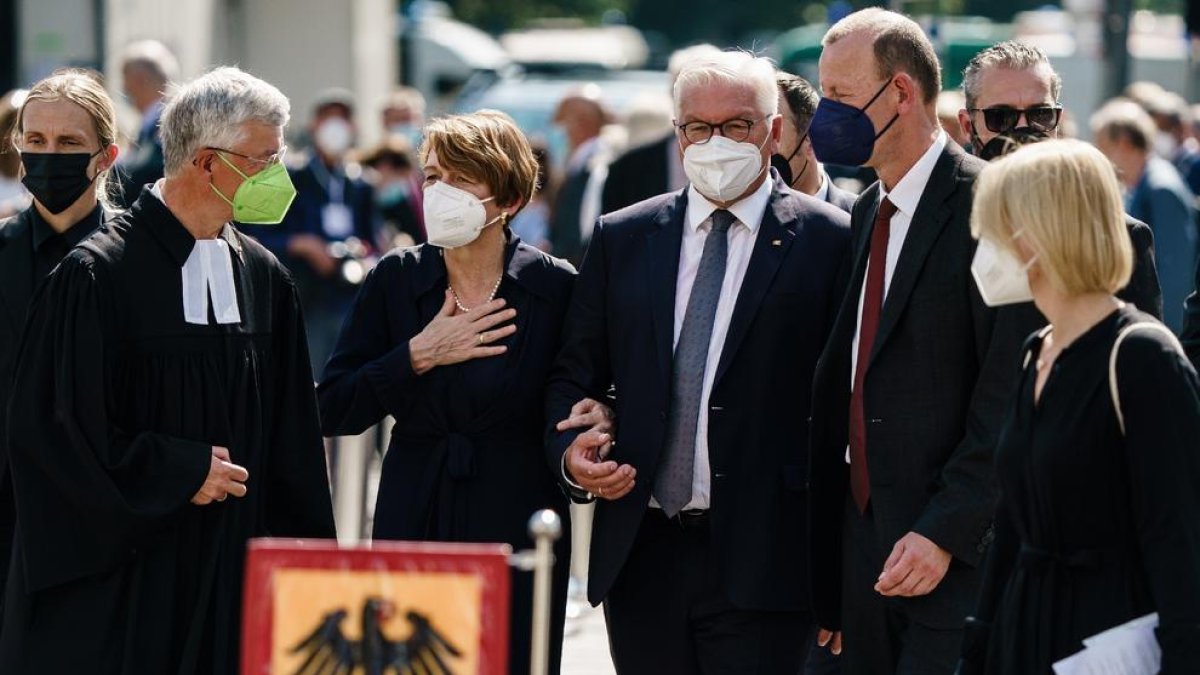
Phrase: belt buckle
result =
(690, 517)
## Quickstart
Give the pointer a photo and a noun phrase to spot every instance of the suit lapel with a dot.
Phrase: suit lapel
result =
(770, 248)
(16, 272)
(662, 269)
(930, 219)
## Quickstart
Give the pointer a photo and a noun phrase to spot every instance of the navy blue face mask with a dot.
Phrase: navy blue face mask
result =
(842, 134)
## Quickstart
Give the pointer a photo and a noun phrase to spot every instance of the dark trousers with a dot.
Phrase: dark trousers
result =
(667, 614)
(878, 636)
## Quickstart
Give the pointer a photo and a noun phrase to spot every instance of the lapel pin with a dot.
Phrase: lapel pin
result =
(777, 242)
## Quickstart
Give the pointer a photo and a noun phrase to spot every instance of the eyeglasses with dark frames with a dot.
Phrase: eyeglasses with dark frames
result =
(737, 129)
(1001, 119)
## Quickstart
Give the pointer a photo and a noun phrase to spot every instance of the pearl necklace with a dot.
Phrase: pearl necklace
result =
(491, 296)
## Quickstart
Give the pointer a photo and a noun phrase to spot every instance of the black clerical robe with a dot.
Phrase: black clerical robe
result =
(120, 402)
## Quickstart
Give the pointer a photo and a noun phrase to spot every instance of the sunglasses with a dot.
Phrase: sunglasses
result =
(1001, 120)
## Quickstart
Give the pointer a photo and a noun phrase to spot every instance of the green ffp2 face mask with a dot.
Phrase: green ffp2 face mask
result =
(261, 199)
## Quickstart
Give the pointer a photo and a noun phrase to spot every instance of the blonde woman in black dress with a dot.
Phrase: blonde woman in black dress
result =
(1099, 517)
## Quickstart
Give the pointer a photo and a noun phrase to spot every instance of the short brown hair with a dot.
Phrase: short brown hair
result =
(1122, 118)
(485, 146)
(801, 99)
(899, 44)
(1062, 198)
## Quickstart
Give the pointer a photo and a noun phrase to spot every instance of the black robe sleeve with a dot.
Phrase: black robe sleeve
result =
(1160, 399)
(370, 375)
(86, 491)
(297, 499)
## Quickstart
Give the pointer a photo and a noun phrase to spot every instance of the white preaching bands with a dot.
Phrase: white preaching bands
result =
(207, 273)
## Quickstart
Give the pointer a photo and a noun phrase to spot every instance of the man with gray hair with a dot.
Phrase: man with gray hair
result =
(1014, 85)
(164, 369)
(705, 309)
(147, 69)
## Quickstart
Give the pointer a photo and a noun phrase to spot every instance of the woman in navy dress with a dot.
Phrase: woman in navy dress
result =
(1099, 516)
(454, 340)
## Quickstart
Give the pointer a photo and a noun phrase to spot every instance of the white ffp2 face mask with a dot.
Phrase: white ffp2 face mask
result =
(453, 216)
(722, 169)
(1001, 278)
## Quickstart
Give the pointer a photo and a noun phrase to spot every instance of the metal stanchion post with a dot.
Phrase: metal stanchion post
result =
(545, 528)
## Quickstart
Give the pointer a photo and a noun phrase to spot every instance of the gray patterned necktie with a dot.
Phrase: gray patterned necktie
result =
(673, 485)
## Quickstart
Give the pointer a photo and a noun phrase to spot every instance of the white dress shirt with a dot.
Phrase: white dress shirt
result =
(906, 195)
(822, 192)
(742, 234)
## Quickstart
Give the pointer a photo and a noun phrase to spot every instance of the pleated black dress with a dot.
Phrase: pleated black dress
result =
(466, 461)
(1096, 528)
(118, 402)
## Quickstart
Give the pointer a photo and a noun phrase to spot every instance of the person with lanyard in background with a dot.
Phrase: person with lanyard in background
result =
(1011, 98)
(66, 133)
(799, 168)
(163, 370)
(328, 238)
(147, 69)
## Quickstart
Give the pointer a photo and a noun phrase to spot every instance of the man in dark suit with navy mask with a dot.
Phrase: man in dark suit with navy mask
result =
(704, 310)
(918, 372)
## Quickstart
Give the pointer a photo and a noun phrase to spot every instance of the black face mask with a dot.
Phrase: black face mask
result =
(57, 179)
(1005, 143)
(784, 165)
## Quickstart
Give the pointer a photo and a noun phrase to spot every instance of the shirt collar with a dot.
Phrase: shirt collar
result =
(583, 153)
(748, 210)
(42, 232)
(823, 191)
(170, 232)
(907, 192)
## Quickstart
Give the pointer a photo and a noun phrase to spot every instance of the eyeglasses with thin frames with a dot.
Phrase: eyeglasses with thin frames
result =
(737, 129)
(276, 158)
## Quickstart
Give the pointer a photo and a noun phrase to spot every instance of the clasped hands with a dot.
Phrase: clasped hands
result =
(586, 459)
(915, 567)
(224, 478)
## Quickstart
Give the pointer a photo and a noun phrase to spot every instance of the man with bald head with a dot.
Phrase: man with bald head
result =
(705, 310)
(581, 116)
(910, 390)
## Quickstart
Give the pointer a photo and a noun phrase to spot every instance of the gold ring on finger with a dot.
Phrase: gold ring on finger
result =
(480, 338)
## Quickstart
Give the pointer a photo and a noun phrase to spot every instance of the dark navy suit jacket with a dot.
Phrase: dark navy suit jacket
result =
(618, 336)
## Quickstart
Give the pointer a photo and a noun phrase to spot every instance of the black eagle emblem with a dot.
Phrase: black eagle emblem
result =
(331, 653)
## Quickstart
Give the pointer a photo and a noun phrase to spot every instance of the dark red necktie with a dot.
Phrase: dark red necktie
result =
(860, 479)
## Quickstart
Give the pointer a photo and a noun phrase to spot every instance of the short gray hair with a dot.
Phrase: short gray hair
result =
(736, 68)
(153, 57)
(1010, 55)
(211, 110)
